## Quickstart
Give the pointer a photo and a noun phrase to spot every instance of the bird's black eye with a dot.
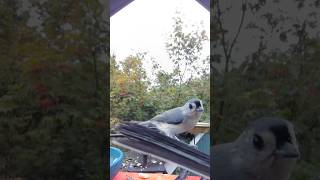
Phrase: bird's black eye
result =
(198, 104)
(258, 142)
(190, 106)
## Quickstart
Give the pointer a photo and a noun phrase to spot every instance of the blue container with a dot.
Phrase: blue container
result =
(204, 144)
(116, 158)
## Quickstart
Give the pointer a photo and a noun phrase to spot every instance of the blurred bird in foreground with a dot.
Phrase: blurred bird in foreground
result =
(266, 150)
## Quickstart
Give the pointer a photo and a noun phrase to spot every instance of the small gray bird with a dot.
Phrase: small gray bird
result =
(178, 120)
(266, 150)
(172, 122)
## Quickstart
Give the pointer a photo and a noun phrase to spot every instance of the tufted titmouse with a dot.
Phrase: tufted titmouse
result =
(178, 120)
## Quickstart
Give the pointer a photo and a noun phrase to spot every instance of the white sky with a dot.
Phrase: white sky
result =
(145, 25)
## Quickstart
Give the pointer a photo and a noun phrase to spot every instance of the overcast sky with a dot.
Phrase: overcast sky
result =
(145, 25)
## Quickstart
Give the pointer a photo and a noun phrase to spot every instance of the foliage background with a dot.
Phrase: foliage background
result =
(53, 89)
(277, 76)
(134, 96)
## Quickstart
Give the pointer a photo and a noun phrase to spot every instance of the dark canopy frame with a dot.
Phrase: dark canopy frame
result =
(117, 5)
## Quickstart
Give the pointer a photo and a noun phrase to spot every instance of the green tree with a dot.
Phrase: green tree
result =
(190, 76)
(52, 94)
(134, 96)
(129, 85)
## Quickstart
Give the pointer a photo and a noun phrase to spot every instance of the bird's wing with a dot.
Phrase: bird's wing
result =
(147, 141)
(151, 125)
(172, 116)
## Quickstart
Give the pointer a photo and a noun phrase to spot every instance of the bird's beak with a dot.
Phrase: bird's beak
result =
(200, 109)
(288, 150)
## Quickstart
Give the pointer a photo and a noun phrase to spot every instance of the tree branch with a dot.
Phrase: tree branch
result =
(243, 8)
(223, 40)
(228, 51)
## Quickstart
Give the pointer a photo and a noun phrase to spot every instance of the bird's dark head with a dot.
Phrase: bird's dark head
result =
(195, 105)
(273, 136)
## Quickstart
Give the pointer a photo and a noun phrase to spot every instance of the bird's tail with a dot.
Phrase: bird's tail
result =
(147, 141)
